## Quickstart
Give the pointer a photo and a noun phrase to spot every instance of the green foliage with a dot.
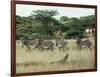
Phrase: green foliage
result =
(87, 21)
(73, 34)
(64, 18)
(43, 24)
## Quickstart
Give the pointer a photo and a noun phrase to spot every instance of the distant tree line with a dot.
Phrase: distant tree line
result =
(44, 24)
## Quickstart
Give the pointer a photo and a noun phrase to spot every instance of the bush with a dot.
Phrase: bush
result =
(73, 34)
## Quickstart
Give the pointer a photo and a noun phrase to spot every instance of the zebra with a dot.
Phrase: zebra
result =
(86, 43)
(29, 44)
(47, 44)
(62, 44)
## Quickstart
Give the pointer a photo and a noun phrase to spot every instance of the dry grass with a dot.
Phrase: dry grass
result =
(37, 61)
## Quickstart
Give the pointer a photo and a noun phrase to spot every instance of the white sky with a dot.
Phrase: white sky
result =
(26, 10)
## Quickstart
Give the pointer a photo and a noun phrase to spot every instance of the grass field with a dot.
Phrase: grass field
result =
(37, 61)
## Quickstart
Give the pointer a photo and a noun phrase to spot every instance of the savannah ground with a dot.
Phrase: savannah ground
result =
(40, 61)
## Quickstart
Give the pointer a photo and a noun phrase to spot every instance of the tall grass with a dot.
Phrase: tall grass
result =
(36, 60)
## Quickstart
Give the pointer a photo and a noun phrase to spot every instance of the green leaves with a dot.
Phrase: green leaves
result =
(43, 24)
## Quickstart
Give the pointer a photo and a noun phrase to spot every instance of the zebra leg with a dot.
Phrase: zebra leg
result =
(22, 46)
(42, 49)
(59, 48)
(63, 49)
(52, 49)
(56, 44)
(90, 47)
(48, 49)
(80, 47)
(28, 49)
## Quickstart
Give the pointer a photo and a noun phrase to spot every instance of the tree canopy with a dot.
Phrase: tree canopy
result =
(43, 24)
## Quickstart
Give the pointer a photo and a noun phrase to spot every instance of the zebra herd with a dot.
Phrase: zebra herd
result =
(48, 44)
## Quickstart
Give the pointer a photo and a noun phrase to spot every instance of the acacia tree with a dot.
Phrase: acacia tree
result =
(46, 19)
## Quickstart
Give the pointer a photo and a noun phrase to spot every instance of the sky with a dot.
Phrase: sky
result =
(26, 10)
